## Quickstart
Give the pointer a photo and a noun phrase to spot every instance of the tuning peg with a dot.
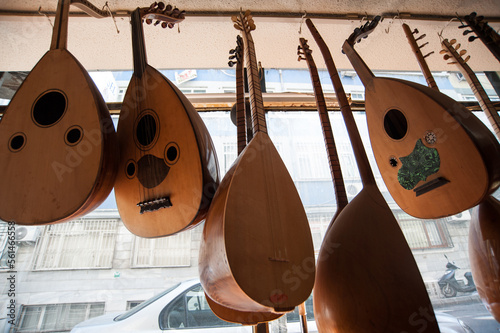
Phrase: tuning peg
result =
(473, 38)
(153, 5)
(453, 41)
(231, 63)
(415, 31)
(232, 57)
(164, 25)
(424, 44)
(161, 5)
(428, 54)
(419, 38)
(467, 58)
(301, 58)
(443, 51)
(168, 8)
(480, 18)
(451, 63)
(466, 32)
(149, 21)
(463, 26)
(446, 56)
(157, 22)
(463, 52)
(458, 46)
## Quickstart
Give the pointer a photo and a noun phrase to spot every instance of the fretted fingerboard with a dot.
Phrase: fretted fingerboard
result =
(258, 114)
(333, 158)
(484, 102)
(240, 107)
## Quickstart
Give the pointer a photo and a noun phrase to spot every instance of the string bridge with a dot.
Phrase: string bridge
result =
(154, 204)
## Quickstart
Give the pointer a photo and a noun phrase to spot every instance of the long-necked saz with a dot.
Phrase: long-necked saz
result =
(435, 157)
(484, 230)
(256, 232)
(365, 267)
(305, 53)
(58, 144)
(168, 170)
(225, 313)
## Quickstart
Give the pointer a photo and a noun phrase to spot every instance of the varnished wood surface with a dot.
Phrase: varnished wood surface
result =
(366, 278)
(255, 236)
(484, 253)
(48, 180)
(191, 180)
(256, 232)
(241, 317)
(465, 146)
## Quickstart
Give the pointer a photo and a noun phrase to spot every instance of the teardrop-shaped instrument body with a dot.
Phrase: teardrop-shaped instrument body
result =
(168, 170)
(57, 145)
(257, 253)
(484, 253)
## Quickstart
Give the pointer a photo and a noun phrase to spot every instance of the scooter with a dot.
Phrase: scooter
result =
(450, 286)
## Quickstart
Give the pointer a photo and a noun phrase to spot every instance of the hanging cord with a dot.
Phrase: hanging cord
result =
(106, 7)
(392, 22)
(440, 34)
(302, 19)
(43, 14)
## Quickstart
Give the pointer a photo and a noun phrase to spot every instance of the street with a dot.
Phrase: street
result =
(473, 314)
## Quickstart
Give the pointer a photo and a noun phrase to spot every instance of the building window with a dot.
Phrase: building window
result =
(55, 317)
(133, 304)
(230, 154)
(171, 251)
(423, 234)
(312, 161)
(82, 244)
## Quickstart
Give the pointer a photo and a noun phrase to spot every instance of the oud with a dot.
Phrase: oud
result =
(168, 169)
(58, 145)
(256, 232)
(365, 267)
(436, 158)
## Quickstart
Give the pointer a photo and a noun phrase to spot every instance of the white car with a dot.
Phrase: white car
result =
(183, 308)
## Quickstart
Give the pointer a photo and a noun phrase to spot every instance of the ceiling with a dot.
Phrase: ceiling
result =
(206, 35)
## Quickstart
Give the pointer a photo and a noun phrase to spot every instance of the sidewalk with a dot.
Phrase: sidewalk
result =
(460, 299)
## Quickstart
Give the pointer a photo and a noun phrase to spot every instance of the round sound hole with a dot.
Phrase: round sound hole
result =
(130, 169)
(146, 130)
(49, 108)
(171, 153)
(395, 124)
(17, 142)
(74, 135)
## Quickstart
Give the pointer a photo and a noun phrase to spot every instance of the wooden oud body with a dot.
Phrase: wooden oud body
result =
(256, 236)
(366, 278)
(442, 162)
(58, 145)
(484, 253)
(175, 159)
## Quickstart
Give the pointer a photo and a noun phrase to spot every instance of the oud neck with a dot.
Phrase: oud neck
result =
(240, 107)
(420, 58)
(255, 92)
(333, 157)
(138, 45)
(363, 71)
(365, 171)
(60, 31)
